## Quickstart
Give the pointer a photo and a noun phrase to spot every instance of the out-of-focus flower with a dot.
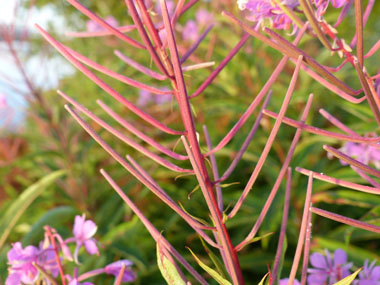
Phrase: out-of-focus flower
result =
(190, 31)
(83, 232)
(370, 275)
(286, 282)
(322, 5)
(93, 26)
(145, 97)
(203, 17)
(115, 268)
(364, 153)
(21, 264)
(260, 10)
(328, 270)
(169, 4)
(3, 102)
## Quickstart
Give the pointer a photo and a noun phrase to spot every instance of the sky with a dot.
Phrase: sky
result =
(45, 74)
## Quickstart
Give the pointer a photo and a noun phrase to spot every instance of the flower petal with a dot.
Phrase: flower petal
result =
(89, 229)
(317, 260)
(340, 257)
(78, 226)
(91, 247)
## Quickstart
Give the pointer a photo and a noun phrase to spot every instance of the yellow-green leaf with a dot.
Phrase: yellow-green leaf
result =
(19, 206)
(348, 280)
(262, 280)
(168, 269)
(211, 271)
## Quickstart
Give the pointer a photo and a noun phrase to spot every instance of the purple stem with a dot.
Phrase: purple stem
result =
(374, 49)
(306, 250)
(195, 45)
(366, 177)
(124, 138)
(304, 224)
(359, 31)
(318, 131)
(337, 123)
(280, 176)
(177, 12)
(257, 100)
(220, 67)
(144, 36)
(346, 220)
(106, 87)
(281, 239)
(372, 96)
(365, 19)
(215, 172)
(188, 121)
(343, 13)
(140, 134)
(86, 34)
(246, 142)
(159, 189)
(152, 230)
(331, 86)
(104, 24)
(268, 145)
(139, 67)
(336, 181)
(115, 75)
(158, 192)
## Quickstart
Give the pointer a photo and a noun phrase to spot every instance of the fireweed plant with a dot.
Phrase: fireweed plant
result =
(265, 20)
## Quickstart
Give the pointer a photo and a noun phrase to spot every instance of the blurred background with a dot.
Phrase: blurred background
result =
(38, 137)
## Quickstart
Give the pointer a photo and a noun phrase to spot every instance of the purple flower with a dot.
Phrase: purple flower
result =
(190, 31)
(21, 264)
(362, 152)
(328, 270)
(370, 275)
(259, 10)
(204, 17)
(83, 232)
(145, 97)
(116, 267)
(93, 26)
(286, 282)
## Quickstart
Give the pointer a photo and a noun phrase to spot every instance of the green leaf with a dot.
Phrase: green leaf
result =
(348, 280)
(262, 280)
(214, 259)
(168, 269)
(19, 206)
(255, 239)
(55, 218)
(210, 271)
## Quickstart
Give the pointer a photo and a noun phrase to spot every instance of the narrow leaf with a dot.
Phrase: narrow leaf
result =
(210, 271)
(348, 280)
(21, 204)
(168, 270)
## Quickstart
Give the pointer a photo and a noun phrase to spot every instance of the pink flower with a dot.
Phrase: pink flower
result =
(93, 26)
(322, 5)
(145, 97)
(259, 10)
(362, 152)
(83, 232)
(21, 264)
